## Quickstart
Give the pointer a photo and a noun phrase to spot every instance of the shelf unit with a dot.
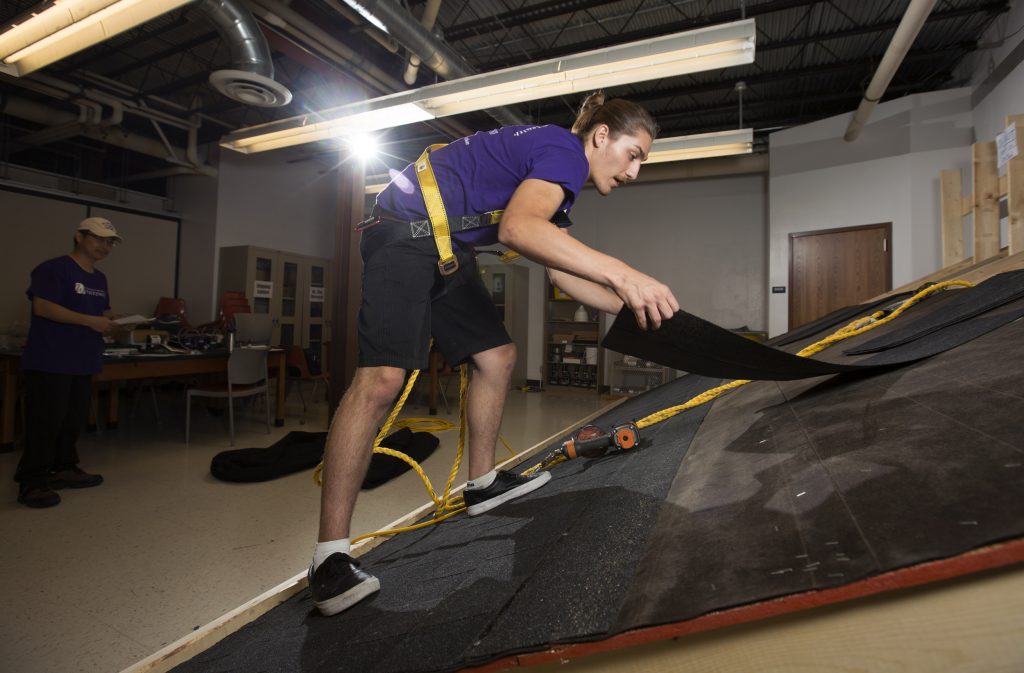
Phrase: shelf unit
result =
(573, 356)
(293, 289)
(630, 376)
(509, 285)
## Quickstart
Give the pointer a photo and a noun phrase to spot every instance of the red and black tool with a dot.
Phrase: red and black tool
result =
(590, 441)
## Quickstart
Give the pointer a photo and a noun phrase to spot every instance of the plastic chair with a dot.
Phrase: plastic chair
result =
(172, 306)
(247, 376)
(296, 360)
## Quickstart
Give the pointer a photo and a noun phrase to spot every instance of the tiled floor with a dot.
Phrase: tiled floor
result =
(114, 573)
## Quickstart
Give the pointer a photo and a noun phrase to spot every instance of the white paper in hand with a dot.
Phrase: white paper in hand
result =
(131, 320)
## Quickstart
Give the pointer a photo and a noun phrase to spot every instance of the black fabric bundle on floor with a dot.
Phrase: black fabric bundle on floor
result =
(299, 451)
(294, 452)
(416, 445)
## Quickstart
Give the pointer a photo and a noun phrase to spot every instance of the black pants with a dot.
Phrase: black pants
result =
(57, 407)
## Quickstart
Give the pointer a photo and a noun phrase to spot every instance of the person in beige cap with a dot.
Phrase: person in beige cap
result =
(70, 314)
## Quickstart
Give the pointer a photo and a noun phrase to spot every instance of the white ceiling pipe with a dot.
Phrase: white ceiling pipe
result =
(285, 20)
(280, 16)
(44, 114)
(429, 17)
(911, 24)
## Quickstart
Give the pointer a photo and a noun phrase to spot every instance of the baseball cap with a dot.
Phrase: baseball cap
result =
(99, 226)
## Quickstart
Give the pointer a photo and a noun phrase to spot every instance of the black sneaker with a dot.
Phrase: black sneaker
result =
(38, 496)
(506, 486)
(337, 584)
(74, 477)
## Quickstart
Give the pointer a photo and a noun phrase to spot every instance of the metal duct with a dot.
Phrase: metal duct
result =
(913, 20)
(434, 53)
(250, 79)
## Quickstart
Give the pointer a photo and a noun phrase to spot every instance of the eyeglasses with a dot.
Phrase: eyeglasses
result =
(105, 240)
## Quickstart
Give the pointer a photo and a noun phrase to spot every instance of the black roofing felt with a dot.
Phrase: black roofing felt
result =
(784, 487)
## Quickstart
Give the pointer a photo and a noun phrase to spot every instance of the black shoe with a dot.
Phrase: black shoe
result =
(337, 584)
(38, 496)
(74, 477)
(506, 486)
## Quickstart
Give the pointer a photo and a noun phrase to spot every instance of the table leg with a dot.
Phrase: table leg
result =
(112, 409)
(7, 421)
(279, 402)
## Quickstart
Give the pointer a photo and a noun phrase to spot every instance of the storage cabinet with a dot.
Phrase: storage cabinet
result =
(573, 358)
(293, 289)
(508, 285)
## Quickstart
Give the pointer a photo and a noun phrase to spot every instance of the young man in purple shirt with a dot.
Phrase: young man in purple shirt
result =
(533, 174)
(70, 313)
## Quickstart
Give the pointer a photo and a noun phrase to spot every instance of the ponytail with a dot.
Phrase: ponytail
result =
(621, 116)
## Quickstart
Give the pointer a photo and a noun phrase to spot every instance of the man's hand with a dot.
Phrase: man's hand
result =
(646, 297)
(100, 323)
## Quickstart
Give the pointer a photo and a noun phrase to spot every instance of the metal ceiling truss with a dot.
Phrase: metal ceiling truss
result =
(813, 60)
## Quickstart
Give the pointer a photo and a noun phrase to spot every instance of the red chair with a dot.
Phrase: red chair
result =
(172, 306)
(295, 360)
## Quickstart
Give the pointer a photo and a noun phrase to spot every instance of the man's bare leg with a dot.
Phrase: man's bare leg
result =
(336, 581)
(347, 452)
(488, 389)
(485, 405)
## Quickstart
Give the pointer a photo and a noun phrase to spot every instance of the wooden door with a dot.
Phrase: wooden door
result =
(834, 268)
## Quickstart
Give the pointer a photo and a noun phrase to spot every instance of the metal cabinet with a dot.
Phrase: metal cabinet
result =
(293, 289)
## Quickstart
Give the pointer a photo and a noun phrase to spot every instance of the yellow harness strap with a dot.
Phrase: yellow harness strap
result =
(447, 264)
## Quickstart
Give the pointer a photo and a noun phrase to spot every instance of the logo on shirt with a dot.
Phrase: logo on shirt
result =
(80, 288)
(521, 132)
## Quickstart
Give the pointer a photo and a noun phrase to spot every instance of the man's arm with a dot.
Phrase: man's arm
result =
(526, 228)
(585, 291)
(45, 308)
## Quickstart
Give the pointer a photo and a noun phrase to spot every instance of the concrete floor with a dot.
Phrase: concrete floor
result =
(116, 572)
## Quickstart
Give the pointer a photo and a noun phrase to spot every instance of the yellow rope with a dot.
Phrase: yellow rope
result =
(447, 506)
(858, 326)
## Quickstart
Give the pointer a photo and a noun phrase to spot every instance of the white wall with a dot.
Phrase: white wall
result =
(890, 174)
(997, 73)
(195, 198)
(265, 201)
(260, 200)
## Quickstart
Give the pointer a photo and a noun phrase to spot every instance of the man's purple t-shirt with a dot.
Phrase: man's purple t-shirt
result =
(61, 348)
(479, 173)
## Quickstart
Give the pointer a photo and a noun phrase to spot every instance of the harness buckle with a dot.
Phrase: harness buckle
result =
(449, 267)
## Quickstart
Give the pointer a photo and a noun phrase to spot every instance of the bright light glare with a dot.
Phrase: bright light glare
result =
(363, 145)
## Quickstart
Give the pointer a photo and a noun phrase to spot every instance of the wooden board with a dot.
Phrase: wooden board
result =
(986, 201)
(952, 217)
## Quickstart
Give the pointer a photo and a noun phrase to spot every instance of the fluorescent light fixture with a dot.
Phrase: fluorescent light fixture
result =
(677, 54)
(701, 146)
(63, 27)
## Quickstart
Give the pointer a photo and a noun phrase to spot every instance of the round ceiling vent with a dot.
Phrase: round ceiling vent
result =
(250, 88)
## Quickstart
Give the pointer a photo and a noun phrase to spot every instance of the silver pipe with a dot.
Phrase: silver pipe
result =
(434, 53)
(911, 24)
(238, 28)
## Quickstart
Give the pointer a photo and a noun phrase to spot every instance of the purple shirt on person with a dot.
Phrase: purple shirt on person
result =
(479, 173)
(62, 348)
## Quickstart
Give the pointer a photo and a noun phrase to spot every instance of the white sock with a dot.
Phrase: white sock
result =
(483, 481)
(324, 549)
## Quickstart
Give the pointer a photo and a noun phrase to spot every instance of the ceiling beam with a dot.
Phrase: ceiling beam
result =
(550, 10)
(991, 9)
